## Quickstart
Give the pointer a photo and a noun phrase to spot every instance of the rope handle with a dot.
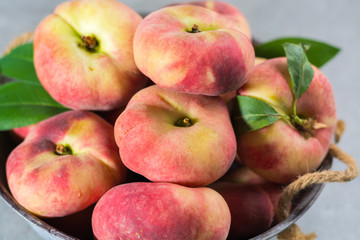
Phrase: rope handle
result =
(293, 232)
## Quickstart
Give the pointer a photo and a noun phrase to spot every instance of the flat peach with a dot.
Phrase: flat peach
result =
(65, 164)
(192, 49)
(176, 137)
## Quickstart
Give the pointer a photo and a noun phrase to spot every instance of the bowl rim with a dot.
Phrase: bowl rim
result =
(31, 218)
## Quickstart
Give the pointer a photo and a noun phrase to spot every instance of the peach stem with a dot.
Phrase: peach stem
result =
(184, 122)
(89, 42)
(61, 149)
(195, 29)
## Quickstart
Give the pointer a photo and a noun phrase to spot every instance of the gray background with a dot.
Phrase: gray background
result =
(335, 215)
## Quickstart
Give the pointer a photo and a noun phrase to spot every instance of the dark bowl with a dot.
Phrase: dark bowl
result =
(78, 226)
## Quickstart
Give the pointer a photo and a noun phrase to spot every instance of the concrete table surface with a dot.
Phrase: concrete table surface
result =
(335, 215)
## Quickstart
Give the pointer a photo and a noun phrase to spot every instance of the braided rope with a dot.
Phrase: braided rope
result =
(309, 179)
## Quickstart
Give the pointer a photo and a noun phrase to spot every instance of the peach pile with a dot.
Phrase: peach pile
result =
(97, 57)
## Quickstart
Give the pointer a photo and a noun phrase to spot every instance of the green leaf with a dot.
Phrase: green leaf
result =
(19, 65)
(318, 54)
(300, 69)
(23, 104)
(255, 113)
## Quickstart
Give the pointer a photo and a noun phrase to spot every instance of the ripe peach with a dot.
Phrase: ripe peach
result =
(161, 211)
(83, 54)
(283, 151)
(176, 137)
(65, 164)
(192, 49)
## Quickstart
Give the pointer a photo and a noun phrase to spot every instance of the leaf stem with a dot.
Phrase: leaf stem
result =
(295, 117)
(294, 107)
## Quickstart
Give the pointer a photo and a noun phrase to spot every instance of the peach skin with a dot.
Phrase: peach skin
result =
(176, 137)
(65, 164)
(151, 211)
(192, 49)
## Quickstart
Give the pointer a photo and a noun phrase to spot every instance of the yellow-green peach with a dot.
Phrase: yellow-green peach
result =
(283, 151)
(192, 49)
(65, 164)
(83, 54)
(161, 211)
(176, 137)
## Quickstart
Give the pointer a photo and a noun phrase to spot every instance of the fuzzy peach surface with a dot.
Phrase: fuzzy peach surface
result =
(152, 145)
(279, 152)
(213, 61)
(161, 211)
(52, 185)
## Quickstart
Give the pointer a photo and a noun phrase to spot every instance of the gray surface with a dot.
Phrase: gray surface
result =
(335, 214)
